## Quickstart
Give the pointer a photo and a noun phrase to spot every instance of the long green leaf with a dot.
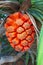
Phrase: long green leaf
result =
(36, 1)
(40, 49)
(38, 7)
(32, 12)
(27, 58)
(38, 12)
(37, 4)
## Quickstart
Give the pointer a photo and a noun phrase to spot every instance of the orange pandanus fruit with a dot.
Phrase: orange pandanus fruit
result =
(19, 31)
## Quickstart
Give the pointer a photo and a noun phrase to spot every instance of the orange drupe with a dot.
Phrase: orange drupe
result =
(19, 31)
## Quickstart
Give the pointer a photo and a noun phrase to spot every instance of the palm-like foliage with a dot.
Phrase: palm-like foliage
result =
(36, 10)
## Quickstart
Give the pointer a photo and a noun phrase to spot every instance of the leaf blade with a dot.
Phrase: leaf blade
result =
(40, 49)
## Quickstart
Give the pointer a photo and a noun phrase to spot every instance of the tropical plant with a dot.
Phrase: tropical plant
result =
(35, 9)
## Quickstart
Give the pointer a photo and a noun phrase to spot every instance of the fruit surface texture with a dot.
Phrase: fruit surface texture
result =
(19, 31)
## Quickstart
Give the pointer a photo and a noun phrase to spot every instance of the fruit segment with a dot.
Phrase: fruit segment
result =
(10, 29)
(29, 38)
(24, 17)
(24, 43)
(18, 47)
(22, 36)
(14, 16)
(26, 25)
(19, 22)
(15, 41)
(11, 35)
(29, 31)
(20, 30)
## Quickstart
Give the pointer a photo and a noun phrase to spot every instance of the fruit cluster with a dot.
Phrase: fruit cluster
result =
(19, 31)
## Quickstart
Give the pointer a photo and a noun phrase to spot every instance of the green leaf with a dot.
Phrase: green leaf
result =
(38, 7)
(40, 49)
(38, 4)
(27, 58)
(38, 12)
(36, 1)
(34, 13)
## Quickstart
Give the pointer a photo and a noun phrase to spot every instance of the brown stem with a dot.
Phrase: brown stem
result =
(25, 5)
